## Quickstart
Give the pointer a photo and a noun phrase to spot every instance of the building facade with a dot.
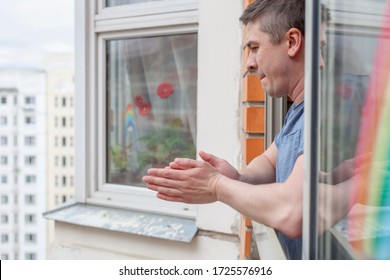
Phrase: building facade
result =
(23, 163)
(60, 132)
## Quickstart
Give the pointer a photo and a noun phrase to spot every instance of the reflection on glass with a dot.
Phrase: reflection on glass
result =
(354, 189)
(112, 3)
(151, 94)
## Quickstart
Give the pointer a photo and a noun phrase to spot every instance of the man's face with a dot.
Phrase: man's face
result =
(267, 60)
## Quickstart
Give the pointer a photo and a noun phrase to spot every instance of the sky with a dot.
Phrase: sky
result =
(33, 29)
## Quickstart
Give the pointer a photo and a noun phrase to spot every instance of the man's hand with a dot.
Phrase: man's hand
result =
(223, 166)
(192, 181)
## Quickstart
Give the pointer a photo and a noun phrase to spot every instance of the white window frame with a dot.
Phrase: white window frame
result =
(105, 24)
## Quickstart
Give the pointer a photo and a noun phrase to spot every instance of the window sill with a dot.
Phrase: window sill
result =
(267, 242)
(127, 221)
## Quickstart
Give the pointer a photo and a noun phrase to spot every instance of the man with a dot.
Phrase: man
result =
(270, 189)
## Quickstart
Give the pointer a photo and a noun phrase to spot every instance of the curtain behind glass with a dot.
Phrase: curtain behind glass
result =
(151, 88)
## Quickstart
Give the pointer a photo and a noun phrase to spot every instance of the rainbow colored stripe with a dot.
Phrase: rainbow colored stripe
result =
(372, 181)
(129, 118)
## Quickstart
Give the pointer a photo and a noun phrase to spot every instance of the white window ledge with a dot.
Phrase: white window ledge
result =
(267, 242)
(122, 220)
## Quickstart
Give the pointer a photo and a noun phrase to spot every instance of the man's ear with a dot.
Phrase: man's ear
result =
(295, 41)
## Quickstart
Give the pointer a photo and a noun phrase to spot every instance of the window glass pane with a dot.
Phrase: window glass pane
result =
(151, 95)
(354, 187)
(111, 3)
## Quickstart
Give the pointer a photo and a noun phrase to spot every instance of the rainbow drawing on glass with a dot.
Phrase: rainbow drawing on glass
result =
(129, 119)
(130, 127)
(372, 181)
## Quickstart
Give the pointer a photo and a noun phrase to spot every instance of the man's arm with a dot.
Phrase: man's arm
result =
(278, 205)
(262, 169)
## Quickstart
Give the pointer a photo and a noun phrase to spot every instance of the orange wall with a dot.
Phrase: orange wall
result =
(253, 133)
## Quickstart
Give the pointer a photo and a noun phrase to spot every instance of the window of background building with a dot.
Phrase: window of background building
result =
(4, 179)
(3, 160)
(30, 160)
(30, 219)
(4, 238)
(29, 140)
(3, 120)
(30, 238)
(30, 256)
(30, 179)
(29, 100)
(4, 199)
(29, 120)
(3, 100)
(4, 219)
(29, 199)
(4, 140)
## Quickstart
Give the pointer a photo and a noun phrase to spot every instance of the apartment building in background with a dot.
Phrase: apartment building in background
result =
(60, 131)
(22, 163)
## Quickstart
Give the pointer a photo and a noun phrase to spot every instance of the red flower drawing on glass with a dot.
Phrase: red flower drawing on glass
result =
(164, 90)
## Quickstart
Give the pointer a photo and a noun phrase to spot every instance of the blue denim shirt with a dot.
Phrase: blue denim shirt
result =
(290, 146)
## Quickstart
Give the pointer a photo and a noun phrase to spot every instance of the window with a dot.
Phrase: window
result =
(30, 238)
(4, 199)
(4, 256)
(63, 161)
(56, 180)
(29, 199)
(64, 181)
(29, 120)
(4, 140)
(29, 100)
(3, 120)
(63, 101)
(30, 219)
(146, 79)
(30, 179)
(56, 121)
(30, 256)
(3, 160)
(4, 179)
(30, 160)
(4, 219)
(64, 141)
(56, 160)
(56, 102)
(158, 107)
(63, 121)
(4, 238)
(3, 100)
(29, 140)
(354, 154)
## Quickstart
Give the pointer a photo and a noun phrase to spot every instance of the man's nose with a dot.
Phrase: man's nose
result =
(251, 64)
